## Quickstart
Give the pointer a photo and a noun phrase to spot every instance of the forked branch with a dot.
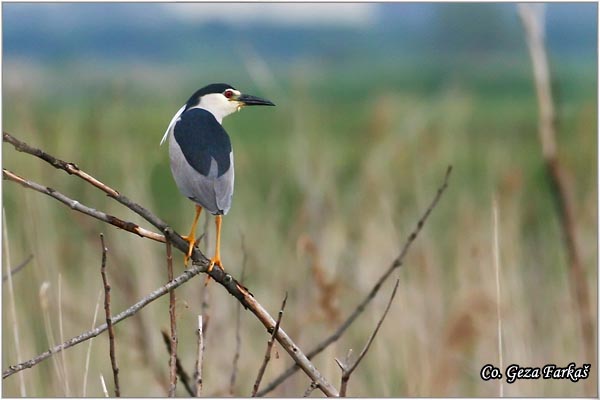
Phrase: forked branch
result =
(200, 264)
(77, 206)
(347, 367)
(370, 296)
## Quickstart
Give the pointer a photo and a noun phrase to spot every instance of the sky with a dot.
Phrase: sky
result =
(302, 14)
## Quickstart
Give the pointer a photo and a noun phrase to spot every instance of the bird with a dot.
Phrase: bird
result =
(201, 155)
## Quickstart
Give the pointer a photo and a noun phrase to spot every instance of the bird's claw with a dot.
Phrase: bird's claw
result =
(213, 262)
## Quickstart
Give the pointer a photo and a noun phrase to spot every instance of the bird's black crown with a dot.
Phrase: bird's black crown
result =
(212, 88)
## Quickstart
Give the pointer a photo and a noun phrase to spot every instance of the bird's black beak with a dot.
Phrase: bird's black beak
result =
(249, 100)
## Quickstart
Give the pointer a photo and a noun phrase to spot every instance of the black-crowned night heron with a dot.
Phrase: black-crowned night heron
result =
(201, 154)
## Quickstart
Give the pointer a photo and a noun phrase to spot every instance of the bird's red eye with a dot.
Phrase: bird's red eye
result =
(228, 93)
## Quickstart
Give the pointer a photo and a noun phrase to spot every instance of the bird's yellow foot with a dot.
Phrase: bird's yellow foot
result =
(191, 238)
(191, 242)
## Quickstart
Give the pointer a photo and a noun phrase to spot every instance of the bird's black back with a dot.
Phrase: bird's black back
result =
(201, 138)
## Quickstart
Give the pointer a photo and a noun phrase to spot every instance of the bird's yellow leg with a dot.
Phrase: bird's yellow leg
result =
(191, 238)
(216, 260)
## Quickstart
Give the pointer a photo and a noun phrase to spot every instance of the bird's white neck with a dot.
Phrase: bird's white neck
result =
(218, 105)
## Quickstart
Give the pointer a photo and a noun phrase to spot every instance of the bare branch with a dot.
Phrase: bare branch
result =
(370, 296)
(347, 370)
(183, 375)
(263, 367)
(200, 358)
(77, 206)
(173, 324)
(199, 260)
(17, 268)
(109, 324)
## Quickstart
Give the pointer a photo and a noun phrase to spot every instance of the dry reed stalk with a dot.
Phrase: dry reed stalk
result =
(496, 252)
(89, 350)
(62, 338)
(561, 182)
(11, 297)
(103, 384)
(45, 305)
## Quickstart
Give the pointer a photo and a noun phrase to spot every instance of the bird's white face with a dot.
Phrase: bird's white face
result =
(221, 104)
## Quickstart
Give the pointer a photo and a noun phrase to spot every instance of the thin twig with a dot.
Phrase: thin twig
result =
(370, 296)
(347, 370)
(181, 372)
(109, 323)
(173, 324)
(238, 315)
(77, 206)
(267, 358)
(200, 358)
(17, 268)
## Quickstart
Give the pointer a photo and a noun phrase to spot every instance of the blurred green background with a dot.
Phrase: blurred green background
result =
(374, 101)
